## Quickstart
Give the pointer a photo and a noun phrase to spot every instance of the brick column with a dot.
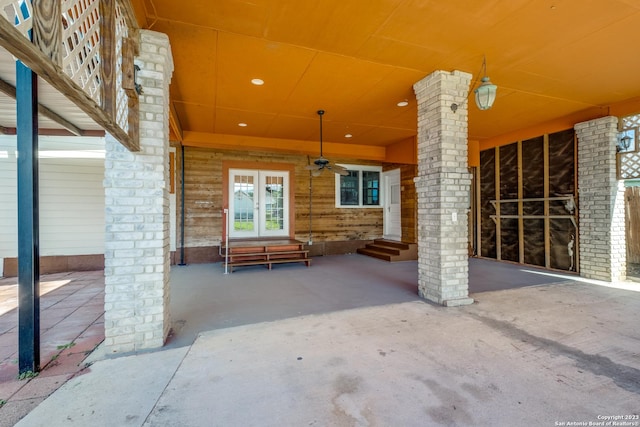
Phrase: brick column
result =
(137, 214)
(442, 186)
(603, 252)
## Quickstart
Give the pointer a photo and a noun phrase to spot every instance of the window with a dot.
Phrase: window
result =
(360, 188)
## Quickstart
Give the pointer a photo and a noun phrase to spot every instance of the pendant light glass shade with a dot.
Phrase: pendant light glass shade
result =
(485, 94)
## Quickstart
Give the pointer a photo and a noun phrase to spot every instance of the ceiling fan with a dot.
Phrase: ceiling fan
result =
(321, 163)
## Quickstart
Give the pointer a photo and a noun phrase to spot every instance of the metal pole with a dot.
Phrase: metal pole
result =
(28, 226)
(226, 242)
(182, 209)
(310, 242)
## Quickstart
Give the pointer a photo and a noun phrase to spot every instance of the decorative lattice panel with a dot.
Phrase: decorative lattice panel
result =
(122, 100)
(629, 165)
(19, 13)
(630, 122)
(629, 159)
(81, 41)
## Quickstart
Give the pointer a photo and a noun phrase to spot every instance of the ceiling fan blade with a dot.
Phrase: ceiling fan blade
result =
(340, 170)
(312, 167)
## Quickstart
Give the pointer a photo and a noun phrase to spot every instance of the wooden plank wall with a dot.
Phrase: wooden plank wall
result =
(203, 199)
(632, 208)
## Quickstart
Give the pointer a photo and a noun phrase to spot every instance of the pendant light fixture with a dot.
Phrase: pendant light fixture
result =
(486, 92)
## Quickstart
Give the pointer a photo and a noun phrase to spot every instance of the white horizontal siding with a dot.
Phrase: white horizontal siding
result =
(8, 189)
(71, 197)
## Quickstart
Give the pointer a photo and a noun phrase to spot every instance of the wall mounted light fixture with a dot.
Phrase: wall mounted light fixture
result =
(626, 140)
(137, 85)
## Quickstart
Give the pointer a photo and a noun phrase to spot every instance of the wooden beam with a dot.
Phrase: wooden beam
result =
(9, 90)
(172, 172)
(108, 56)
(312, 148)
(20, 47)
(520, 206)
(130, 48)
(547, 222)
(7, 131)
(174, 122)
(126, 8)
(54, 132)
(47, 28)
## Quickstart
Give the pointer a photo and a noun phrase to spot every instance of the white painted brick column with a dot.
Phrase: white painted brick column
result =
(603, 251)
(442, 185)
(137, 214)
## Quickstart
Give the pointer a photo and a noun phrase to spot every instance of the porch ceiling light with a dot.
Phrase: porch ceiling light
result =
(486, 92)
(257, 82)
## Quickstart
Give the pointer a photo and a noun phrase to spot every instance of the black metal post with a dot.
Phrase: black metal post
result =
(182, 209)
(28, 227)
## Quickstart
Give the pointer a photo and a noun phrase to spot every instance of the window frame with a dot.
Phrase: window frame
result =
(359, 169)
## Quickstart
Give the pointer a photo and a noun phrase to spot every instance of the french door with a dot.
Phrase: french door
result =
(258, 203)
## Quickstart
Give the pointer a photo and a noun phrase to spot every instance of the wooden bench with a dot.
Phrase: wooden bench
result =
(245, 253)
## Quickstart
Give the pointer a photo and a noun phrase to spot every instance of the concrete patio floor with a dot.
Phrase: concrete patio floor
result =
(71, 326)
(328, 345)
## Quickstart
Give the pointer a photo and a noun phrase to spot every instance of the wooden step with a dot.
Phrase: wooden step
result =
(268, 263)
(391, 243)
(391, 251)
(266, 255)
(264, 252)
(375, 254)
(385, 249)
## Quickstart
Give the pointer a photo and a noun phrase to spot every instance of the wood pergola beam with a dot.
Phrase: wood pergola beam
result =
(7, 130)
(30, 55)
(174, 123)
(10, 90)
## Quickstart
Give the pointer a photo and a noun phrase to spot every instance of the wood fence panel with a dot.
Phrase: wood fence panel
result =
(632, 209)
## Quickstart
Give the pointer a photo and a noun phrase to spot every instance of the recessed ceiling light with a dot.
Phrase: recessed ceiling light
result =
(403, 103)
(257, 82)
(348, 135)
(242, 125)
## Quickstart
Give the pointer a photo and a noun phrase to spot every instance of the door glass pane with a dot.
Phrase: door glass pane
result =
(243, 202)
(274, 203)
(395, 194)
(349, 189)
(371, 188)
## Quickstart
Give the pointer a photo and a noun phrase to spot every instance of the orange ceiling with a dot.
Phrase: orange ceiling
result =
(357, 59)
